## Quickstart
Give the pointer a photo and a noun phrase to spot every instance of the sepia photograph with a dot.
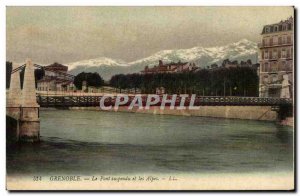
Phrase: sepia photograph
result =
(150, 98)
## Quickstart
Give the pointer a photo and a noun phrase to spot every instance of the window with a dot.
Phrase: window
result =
(274, 54)
(289, 40)
(270, 54)
(271, 41)
(289, 66)
(262, 68)
(265, 79)
(283, 27)
(264, 41)
(276, 28)
(283, 65)
(267, 29)
(283, 53)
(266, 67)
(274, 67)
(275, 39)
(266, 54)
(280, 40)
(274, 78)
(290, 27)
(288, 53)
(279, 66)
(279, 53)
(283, 39)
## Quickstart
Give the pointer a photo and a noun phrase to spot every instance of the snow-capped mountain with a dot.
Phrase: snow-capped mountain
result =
(102, 61)
(202, 57)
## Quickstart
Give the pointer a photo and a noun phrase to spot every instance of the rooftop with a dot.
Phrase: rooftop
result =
(285, 25)
(57, 66)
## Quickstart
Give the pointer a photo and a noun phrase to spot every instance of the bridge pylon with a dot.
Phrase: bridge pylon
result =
(29, 90)
(14, 94)
(29, 130)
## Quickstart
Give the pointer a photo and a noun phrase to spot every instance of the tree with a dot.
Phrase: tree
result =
(92, 79)
(238, 81)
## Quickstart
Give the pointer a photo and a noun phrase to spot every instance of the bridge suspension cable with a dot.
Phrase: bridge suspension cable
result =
(68, 76)
(18, 69)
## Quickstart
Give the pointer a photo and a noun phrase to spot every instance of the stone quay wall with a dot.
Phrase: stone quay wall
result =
(263, 113)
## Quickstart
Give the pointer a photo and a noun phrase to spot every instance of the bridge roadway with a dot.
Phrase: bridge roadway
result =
(90, 101)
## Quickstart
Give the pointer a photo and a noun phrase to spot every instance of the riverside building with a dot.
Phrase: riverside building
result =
(55, 79)
(276, 60)
(170, 67)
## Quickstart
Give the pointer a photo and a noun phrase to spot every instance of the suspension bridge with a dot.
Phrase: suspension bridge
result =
(23, 104)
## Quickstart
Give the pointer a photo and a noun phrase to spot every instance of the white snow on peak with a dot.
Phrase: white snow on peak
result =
(96, 62)
(233, 50)
(207, 55)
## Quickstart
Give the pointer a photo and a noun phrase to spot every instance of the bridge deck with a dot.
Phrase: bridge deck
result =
(88, 101)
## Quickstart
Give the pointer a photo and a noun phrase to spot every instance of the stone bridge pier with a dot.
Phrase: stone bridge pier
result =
(22, 105)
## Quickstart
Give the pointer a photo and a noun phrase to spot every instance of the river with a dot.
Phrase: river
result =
(93, 142)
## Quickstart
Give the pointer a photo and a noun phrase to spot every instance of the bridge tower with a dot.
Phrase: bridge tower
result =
(29, 130)
(14, 94)
(13, 106)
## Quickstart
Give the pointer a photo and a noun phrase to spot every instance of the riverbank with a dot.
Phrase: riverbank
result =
(263, 113)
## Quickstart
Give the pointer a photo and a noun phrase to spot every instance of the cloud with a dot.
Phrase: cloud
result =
(68, 34)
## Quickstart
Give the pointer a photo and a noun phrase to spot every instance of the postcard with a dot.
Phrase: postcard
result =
(157, 98)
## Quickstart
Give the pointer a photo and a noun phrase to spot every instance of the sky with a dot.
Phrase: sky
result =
(70, 34)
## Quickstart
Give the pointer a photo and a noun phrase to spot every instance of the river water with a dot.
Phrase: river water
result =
(94, 142)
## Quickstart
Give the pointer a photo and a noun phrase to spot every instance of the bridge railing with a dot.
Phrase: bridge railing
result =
(85, 101)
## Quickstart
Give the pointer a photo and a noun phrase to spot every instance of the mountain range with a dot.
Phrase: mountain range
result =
(202, 57)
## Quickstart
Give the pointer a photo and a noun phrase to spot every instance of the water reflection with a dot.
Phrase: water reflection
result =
(284, 136)
(89, 142)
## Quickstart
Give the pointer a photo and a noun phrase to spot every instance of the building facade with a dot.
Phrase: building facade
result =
(55, 79)
(276, 60)
(170, 67)
(234, 64)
